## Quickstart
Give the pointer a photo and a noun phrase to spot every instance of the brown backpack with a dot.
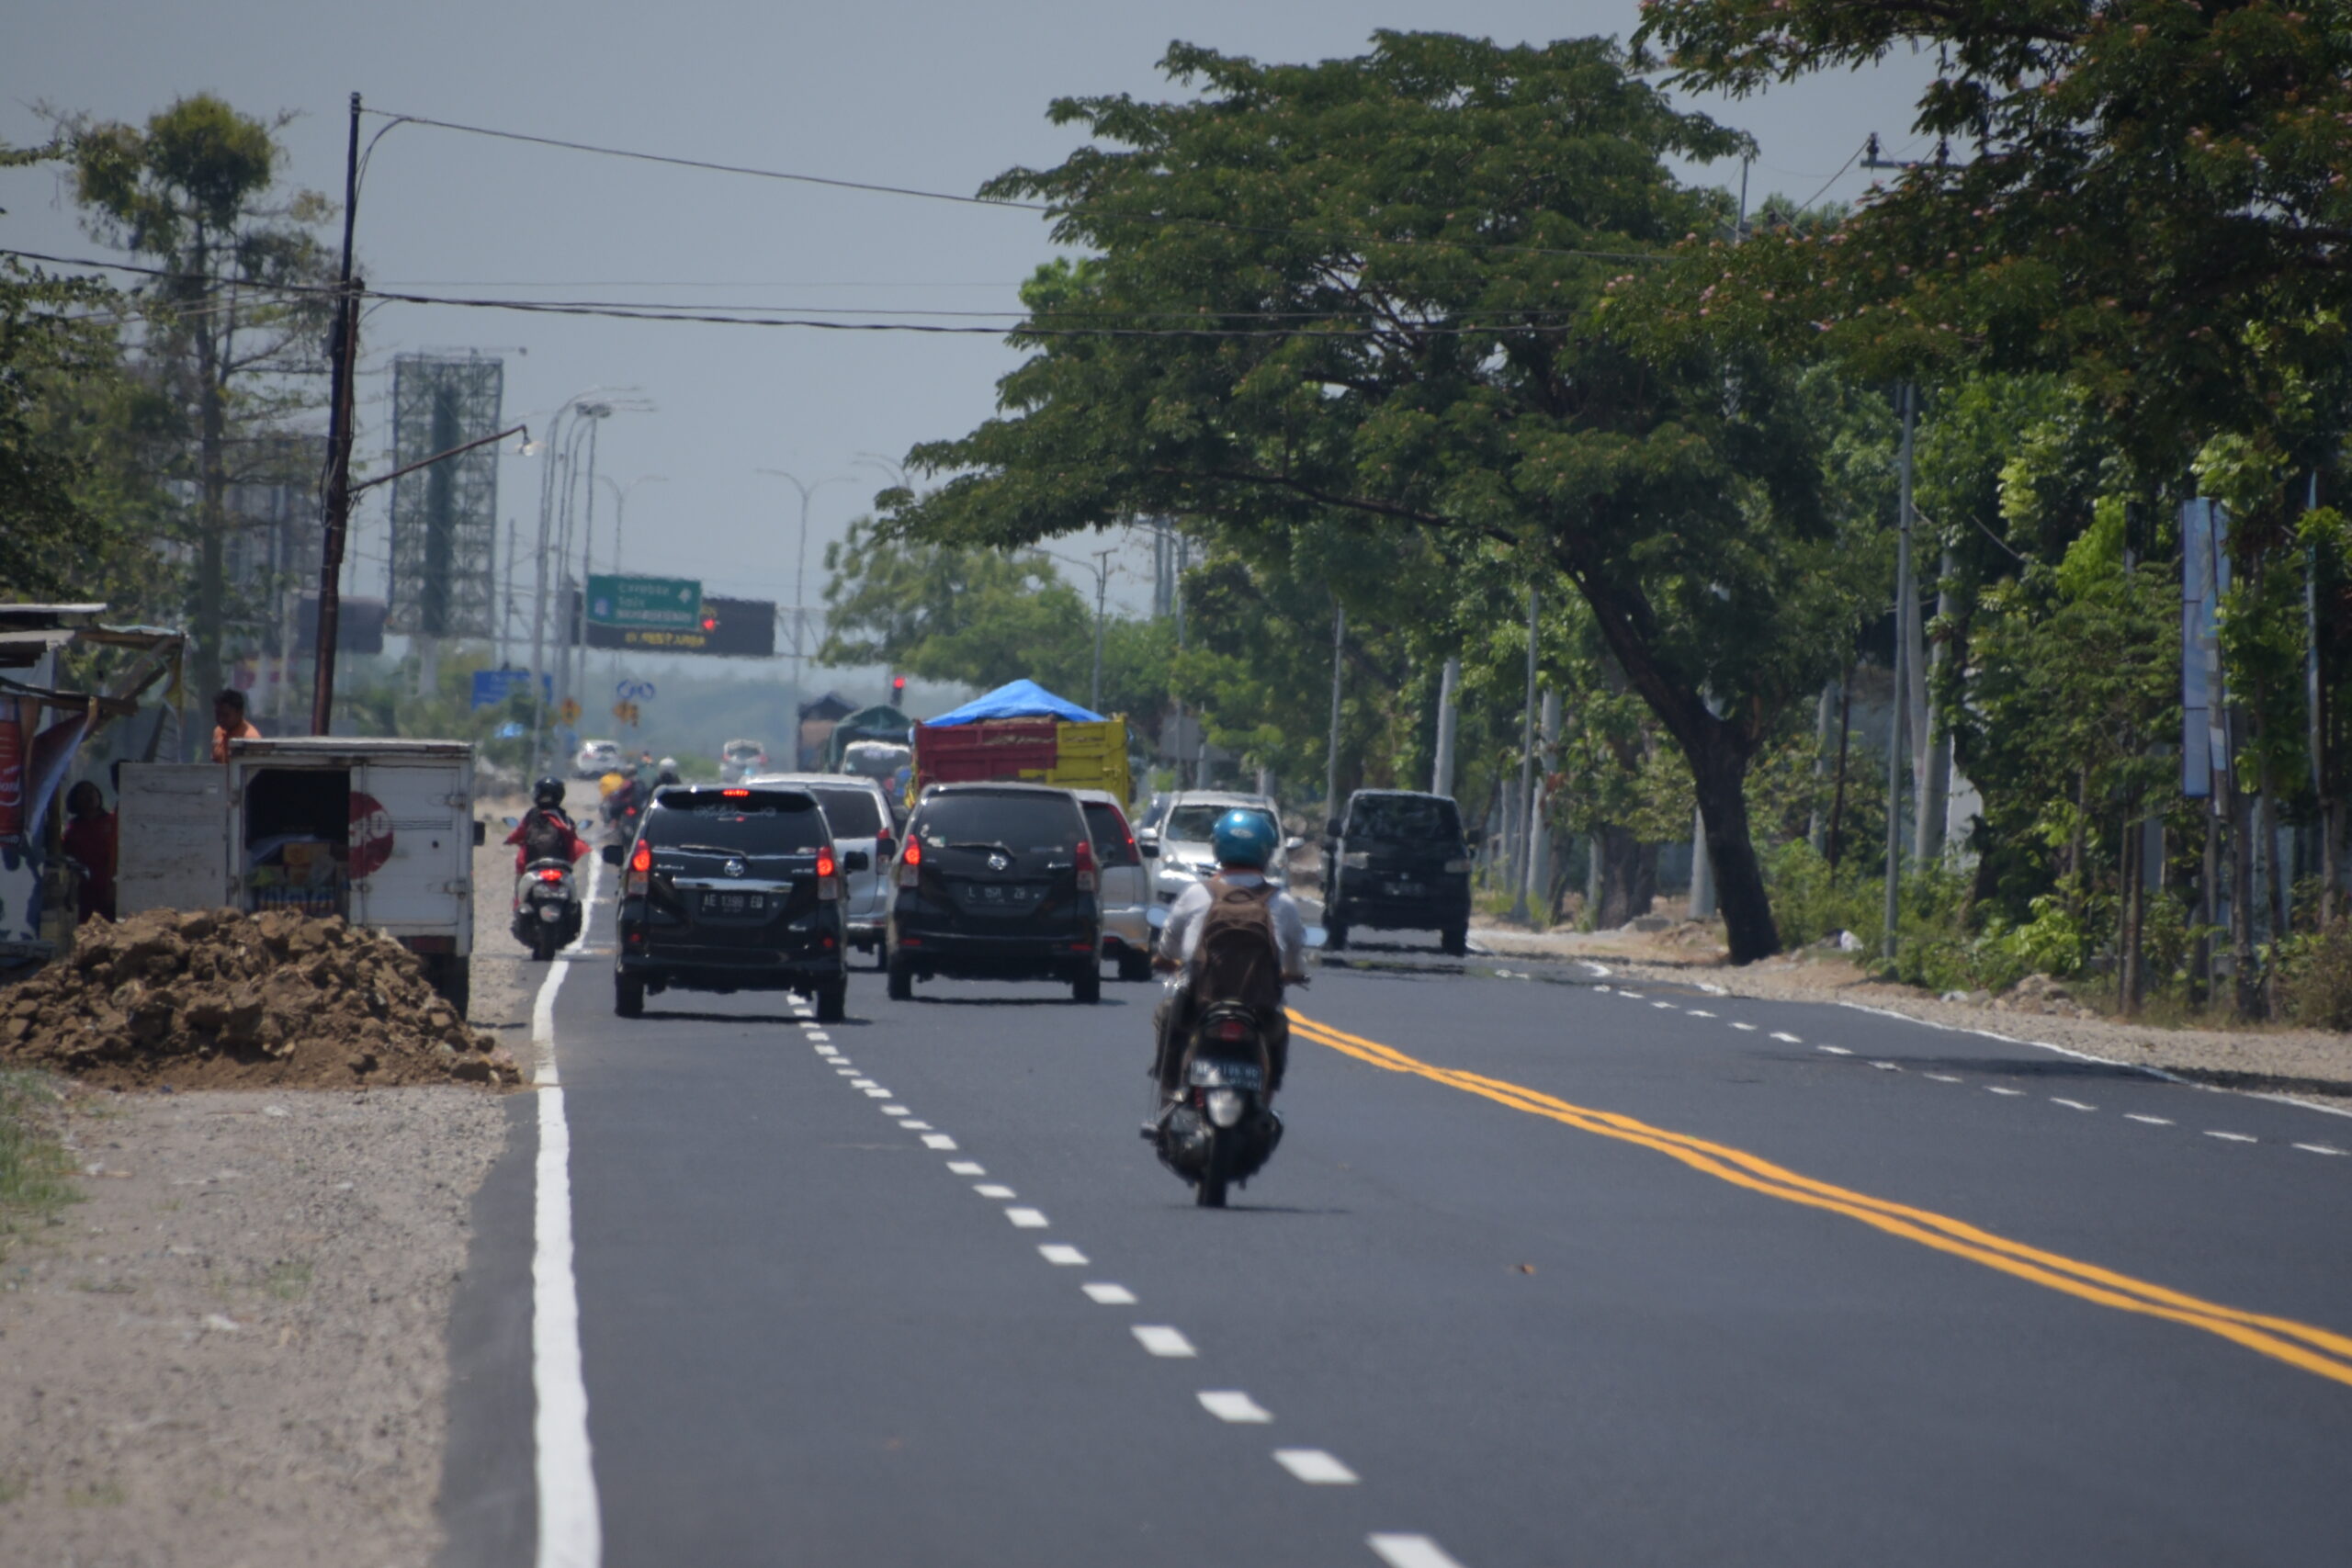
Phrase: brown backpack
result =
(1239, 960)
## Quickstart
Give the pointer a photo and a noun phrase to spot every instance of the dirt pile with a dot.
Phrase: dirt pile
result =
(217, 999)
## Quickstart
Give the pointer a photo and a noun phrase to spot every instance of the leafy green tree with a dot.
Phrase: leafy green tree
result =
(195, 191)
(1374, 290)
(45, 332)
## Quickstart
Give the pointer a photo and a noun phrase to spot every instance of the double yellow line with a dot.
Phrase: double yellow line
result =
(2314, 1350)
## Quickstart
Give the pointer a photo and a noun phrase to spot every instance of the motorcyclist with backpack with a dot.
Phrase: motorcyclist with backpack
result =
(546, 832)
(1237, 937)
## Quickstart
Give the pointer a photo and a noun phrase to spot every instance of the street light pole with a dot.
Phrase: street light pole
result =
(1101, 567)
(800, 572)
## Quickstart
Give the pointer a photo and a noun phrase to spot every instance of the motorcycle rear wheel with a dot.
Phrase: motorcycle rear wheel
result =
(1208, 1192)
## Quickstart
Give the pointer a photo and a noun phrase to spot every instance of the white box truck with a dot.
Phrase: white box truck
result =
(379, 831)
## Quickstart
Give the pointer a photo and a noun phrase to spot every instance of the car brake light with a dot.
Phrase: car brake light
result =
(1232, 1029)
(641, 869)
(828, 889)
(1085, 866)
(911, 864)
(736, 794)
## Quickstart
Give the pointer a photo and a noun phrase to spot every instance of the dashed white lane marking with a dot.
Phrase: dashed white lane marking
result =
(938, 1140)
(1232, 1404)
(967, 1167)
(1668, 1006)
(2072, 1104)
(914, 1126)
(1026, 1219)
(873, 1093)
(1162, 1340)
(2318, 1149)
(1411, 1552)
(861, 1083)
(1790, 1039)
(1062, 1256)
(1636, 995)
(1996, 1088)
(2233, 1137)
(819, 1034)
(829, 1050)
(896, 1111)
(1109, 1295)
(1833, 1050)
(1700, 1012)
(2151, 1121)
(993, 1189)
(1314, 1467)
(845, 1070)
(1940, 1078)
(1749, 1027)
(1887, 1067)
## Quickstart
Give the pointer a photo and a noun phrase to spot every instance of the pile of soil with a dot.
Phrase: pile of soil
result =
(218, 999)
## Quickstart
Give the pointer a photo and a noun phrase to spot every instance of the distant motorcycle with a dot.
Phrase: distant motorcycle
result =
(547, 908)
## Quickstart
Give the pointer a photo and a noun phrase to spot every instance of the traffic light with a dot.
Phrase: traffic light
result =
(898, 689)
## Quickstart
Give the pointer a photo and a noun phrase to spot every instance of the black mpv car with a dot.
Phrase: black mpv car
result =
(996, 881)
(1398, 863)
(732, 890)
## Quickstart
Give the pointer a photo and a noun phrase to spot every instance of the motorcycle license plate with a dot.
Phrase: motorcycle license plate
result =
(734, 903)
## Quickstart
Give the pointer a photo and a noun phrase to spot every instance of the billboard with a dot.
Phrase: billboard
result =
(645, 603)
(738, 628)
(444, 518)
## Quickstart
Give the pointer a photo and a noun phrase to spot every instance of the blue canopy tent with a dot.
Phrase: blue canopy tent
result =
(1016, 699)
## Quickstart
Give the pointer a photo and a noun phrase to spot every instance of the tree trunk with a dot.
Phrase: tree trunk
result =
(2129, 982)
(1833, 845)
(1719, 776)
(2248, 993)
(1624, 877)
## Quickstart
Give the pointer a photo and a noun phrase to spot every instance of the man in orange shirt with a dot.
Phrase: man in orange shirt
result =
(229, 722)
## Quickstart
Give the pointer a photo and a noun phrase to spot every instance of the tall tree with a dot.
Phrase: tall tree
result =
(196, 191)
(1375, 288)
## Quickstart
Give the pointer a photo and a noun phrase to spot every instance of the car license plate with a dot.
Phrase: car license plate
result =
(1003, 894)
(1405, 889)
(734, 903)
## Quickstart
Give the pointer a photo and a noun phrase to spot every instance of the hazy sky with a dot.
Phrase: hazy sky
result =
(928, 95)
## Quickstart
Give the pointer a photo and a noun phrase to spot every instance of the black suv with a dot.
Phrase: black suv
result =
(733, 890)
(996, 881)
(1398, 863)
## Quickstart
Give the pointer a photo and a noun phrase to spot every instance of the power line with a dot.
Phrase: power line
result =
(1047, 208)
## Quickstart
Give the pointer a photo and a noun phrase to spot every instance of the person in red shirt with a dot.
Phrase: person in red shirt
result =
(89, 844)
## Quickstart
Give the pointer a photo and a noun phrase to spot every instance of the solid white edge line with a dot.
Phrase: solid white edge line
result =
(2102, 1061)
(571, 1533)
(1410, 1551)
(1600, 971)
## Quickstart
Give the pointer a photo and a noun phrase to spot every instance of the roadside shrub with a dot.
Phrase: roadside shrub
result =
(2316, 977)
(1810, 901)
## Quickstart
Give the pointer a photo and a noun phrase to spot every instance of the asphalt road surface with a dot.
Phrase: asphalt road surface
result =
(1545, 1273)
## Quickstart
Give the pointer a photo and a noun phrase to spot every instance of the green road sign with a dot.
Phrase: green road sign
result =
(645, 603)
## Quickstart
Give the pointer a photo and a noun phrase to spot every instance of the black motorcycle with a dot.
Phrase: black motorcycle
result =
(547, 908)
(1220, 1129)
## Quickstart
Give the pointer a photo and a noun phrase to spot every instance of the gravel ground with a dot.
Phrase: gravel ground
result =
(234, 1350)
(2305, 1064)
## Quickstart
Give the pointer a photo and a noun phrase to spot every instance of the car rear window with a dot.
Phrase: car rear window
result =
(1112, 845)
(854, 813)
(764, 822)
(1196, 824)
(1409, 819)
(1017, 821)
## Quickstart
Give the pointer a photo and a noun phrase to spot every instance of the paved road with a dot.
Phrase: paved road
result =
(1546, 1273)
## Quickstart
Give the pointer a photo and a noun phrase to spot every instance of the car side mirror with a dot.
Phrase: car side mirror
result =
(1146, 835)
(856, 860)
(611, 853)
(1332, 828)
(1148, 849)
(481, 833)
(1293, 844)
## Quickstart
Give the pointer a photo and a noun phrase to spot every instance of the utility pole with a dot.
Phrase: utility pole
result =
(1102, 591)
(1449, 698)
(1331, 760)
(1899, 711)
(800, 570)
(1539, 854)
(337, 524)
(1526, 775)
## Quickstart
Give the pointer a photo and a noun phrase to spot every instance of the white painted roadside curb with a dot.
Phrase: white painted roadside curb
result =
(570, 1530)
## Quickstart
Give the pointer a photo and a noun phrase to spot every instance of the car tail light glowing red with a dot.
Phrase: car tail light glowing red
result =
(911, 864)
(829, 889)
(736, 794)
(1085, 866)
(640, 870)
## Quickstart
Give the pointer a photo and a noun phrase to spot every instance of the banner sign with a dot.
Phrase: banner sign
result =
(644, 604)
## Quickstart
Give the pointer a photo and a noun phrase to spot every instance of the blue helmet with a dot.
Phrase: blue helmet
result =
(1243, 838)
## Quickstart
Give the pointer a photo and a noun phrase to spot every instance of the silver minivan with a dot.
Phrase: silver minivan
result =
(861, 814)
(1124, 891)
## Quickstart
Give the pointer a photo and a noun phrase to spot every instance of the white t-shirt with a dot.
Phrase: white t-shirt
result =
(1181, 935)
